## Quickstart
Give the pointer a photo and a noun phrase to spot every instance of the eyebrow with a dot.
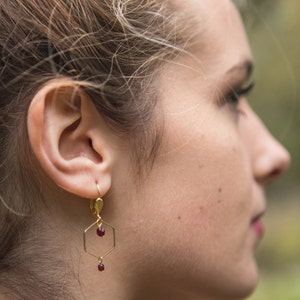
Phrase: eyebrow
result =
(245, 67)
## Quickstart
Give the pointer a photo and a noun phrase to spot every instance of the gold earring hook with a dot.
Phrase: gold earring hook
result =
(98, 188)
(96, 205)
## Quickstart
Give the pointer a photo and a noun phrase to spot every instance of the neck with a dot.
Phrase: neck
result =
(50, 262)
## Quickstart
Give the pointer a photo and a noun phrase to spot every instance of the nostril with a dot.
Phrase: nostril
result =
(281, 162)
(270, 177)
(269, 168)
(275, 173)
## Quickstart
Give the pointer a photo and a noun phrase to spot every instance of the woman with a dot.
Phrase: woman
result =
(141, 104)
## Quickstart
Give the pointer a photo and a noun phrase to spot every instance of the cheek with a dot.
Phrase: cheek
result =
(197, 205)
(218, 200)
(201, 191)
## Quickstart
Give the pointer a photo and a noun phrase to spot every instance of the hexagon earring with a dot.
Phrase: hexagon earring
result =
(96, 206)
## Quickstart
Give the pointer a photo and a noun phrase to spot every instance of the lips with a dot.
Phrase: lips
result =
(257, 225)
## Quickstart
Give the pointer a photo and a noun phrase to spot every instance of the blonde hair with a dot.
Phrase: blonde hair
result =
(111, 48)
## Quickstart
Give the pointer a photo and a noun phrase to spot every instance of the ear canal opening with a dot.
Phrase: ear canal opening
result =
(91, 143)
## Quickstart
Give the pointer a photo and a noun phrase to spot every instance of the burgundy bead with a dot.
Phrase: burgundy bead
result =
(101, 267)
(101, 231)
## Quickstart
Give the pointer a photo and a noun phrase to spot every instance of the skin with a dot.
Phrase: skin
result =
(185, 232)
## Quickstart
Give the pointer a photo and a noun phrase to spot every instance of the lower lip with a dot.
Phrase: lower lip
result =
(258, 228)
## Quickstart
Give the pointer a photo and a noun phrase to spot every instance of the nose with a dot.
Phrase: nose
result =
(269, 158)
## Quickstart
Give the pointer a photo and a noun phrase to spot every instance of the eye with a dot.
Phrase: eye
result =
(234, 96)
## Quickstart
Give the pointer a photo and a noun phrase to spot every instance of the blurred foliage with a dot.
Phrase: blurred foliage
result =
(283, 286)
(274, 31)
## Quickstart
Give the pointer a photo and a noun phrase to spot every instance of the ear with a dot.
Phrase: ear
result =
(70, 138)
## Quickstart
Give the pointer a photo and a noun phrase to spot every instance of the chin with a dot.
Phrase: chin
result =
(235, 284)
(236, 292)
(244, 283)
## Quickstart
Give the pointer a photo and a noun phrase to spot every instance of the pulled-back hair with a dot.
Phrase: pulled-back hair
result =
(111, 48)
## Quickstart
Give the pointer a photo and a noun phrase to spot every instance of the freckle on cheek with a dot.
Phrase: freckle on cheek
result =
(219, 199)
(179, 218)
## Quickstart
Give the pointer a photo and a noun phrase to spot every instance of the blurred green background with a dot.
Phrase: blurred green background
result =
(274, 31)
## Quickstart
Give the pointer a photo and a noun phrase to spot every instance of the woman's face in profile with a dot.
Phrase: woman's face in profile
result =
(201, 205)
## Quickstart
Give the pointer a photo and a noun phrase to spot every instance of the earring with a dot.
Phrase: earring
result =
(96, 206)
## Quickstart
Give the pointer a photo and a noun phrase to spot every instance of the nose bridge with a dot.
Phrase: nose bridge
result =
(269, 158)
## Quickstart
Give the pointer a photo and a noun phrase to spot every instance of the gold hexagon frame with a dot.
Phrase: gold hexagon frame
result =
(99, 222)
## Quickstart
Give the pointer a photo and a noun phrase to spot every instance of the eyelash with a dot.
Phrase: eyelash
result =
(234, 97)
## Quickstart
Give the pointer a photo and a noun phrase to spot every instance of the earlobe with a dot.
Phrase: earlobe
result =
(70, 139)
